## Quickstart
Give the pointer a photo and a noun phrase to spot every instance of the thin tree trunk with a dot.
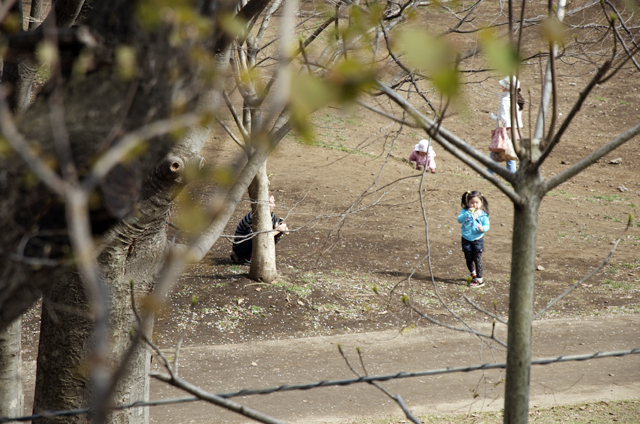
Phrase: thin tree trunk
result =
(11, 397)
(523, 256)
(36, 14)
(263, 256)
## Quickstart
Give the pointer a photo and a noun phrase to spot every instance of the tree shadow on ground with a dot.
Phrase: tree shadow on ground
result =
(225, 260)
(424, 278)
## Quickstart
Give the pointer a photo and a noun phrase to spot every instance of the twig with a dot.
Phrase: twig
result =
(478, 307)
(450, 327)
(217, 400)
(132, 140)
(330, 383)
(396, 398)
(243, 131)
(592, 158)
(596, 269)
(21, 146)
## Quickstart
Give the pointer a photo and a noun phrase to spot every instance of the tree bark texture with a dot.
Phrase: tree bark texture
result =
(521, 290)
(130, 265)
(98, 108)
(263, 256)
(35, 14)
(32, 225)
(11, 395)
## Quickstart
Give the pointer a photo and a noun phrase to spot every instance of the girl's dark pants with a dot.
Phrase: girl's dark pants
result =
(473, 254)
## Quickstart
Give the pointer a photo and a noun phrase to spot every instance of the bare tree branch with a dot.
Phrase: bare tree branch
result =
(591, 274)
(133, 139)
(450, 327)
(243, 131)
(397, 398)
(538, 133)
(592, 158)
(216, 400)
(21, 146)
(572, 113)
(478, 307)
(231, 134)
(456, 146)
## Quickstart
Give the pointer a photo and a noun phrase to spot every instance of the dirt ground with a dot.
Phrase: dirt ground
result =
(344, 270)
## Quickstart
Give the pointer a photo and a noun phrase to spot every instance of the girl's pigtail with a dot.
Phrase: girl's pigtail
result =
(485, 204)
(464, 201)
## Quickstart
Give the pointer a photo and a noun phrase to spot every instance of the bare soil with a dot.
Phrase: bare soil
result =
(345, 270)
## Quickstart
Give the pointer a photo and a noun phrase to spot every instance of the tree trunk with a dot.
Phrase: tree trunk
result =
(11, 397)
(129, 265)
(263, 255)
(63, 354)
(36, 14)
(523, 257)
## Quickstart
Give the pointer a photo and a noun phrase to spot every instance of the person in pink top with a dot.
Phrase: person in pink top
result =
(423, 154)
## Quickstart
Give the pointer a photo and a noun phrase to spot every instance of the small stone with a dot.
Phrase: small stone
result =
(564, 162)
(616, 161)
(539, 268)
(622, 188)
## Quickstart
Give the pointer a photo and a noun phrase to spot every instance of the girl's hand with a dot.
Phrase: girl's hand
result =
(480, 228)
(472, 210)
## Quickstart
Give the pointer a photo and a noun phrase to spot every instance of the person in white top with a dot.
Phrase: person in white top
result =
(503, 119)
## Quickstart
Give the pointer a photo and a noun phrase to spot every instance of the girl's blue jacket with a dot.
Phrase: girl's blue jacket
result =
(470, 224)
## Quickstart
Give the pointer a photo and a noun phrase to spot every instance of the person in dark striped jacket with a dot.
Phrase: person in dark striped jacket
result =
(241, 246)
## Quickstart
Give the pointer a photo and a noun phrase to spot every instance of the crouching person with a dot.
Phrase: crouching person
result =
(242, 245)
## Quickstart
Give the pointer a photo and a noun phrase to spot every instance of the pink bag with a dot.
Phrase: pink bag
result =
(499, 139)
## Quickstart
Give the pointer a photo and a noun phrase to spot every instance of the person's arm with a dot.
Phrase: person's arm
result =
(462, 217)
(280, 227)
(244, 228)
(504, 112)
(483, 223)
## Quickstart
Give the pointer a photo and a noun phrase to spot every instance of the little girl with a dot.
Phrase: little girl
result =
(474, 218)
(422, 155)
